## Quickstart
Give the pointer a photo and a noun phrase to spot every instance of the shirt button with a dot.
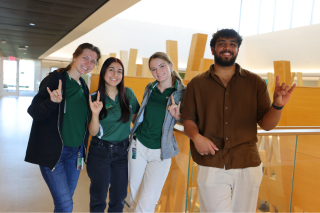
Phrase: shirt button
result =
(226, 122)
(226, 93)
(227, 139)
(111, 145)
(226, 107)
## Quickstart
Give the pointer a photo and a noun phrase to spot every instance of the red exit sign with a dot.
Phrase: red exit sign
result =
(12, 58)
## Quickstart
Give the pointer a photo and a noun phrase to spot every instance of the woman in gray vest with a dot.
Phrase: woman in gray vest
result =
(152, 141)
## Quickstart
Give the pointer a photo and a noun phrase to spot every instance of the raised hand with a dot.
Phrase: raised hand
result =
(56, 95)
(174, 109)
(95, 106)
(282, 93)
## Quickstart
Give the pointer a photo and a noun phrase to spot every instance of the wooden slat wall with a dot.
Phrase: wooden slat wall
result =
(197, 48)
(132, 62)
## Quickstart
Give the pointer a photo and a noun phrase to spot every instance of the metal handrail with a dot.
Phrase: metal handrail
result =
(281, 130)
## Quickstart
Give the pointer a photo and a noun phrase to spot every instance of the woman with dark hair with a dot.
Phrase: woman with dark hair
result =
(60, 113)
(114, 106)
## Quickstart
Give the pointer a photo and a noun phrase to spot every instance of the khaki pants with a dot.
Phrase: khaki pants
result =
(233, 190)
(147, 175)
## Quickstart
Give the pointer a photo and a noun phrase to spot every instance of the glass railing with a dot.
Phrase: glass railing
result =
(291, 173)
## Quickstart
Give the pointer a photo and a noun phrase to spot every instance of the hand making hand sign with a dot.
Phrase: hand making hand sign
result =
(282, 93)
(95, 106)
(56, 95)
(174, 109)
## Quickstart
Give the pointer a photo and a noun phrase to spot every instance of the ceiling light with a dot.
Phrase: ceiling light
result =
(26, 46)
(32, 24)
(3, 41)
(22, 48)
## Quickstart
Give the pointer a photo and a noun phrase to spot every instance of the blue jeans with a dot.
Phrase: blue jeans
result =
(108, 164)
(62, 181)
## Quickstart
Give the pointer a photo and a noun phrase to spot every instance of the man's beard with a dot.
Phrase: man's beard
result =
(224, 62)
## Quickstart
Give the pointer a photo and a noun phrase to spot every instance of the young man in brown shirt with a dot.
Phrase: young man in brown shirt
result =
(221, 110)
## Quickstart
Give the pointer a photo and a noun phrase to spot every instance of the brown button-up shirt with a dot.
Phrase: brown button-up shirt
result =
(227, 116)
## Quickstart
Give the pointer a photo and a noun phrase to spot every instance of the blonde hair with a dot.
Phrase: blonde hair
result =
(166, 58)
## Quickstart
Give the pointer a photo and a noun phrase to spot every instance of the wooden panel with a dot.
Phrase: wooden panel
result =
(185, 82)
(271, 85)
(94, 82)
(139, 70)
(197, 49)
(306, 186)
(173, 195)
(293, 74)
(283, 69)
(113, 55)
(204, 66)
(172, 51)
(303, 108)
(124, 57)
(132, 62)
(299, 79)
(137, 84)
(145, 68)
(101, 61)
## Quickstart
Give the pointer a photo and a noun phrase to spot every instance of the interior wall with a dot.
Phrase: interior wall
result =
(37, 75)
(46, 66)
(300, 46)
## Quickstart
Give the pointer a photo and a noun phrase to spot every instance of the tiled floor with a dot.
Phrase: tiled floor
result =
(22, 187)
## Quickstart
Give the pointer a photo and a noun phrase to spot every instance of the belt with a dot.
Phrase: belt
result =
(110, 143)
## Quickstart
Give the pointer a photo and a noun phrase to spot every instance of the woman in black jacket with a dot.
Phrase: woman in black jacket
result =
(59, 128)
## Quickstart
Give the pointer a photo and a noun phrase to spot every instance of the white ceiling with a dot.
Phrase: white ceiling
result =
(148, 24)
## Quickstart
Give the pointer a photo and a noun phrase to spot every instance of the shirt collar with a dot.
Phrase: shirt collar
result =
(239, 70)
(155, 83)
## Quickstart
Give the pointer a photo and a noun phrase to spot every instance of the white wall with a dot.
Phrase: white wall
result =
(300, 46)
(46, 66)
(37, 75)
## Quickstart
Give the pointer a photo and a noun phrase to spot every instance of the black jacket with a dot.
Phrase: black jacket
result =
(45, 141)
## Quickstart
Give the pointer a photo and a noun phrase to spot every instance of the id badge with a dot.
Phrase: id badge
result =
(79, 162)
(134, 153)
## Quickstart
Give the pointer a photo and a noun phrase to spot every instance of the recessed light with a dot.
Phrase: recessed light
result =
(32, 24)
(22, 48)
(3, 41)
(26, 46)
(24, 53)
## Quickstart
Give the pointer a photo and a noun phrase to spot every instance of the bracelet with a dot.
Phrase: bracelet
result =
(276, 107)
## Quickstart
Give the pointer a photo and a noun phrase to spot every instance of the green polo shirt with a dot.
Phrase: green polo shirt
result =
(75, 114)
(149, 131)
(110, 128)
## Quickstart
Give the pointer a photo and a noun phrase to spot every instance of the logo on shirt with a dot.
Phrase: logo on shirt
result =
(108, 106)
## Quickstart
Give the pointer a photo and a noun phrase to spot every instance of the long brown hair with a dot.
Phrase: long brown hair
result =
(122, 97)
(79, 51)
(166, 58)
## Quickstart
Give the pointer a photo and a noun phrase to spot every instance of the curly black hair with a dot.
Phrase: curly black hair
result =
(225, 33)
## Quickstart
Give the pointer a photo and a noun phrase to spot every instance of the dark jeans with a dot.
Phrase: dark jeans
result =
(108, 164)
(62, 181)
